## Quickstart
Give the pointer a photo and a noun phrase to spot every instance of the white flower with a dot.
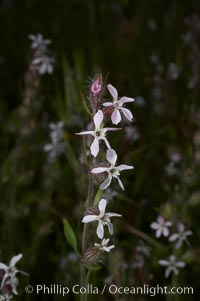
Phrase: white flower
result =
(161, 227)
(38, 42)
(98, 134)
(43, 64)
(172, 265)
(56, 131)
(112, 171)
(173, 71)
(102, 218)
(104, 245)
(10, 272)
(181, 236)
(57, 146)
(117, 105)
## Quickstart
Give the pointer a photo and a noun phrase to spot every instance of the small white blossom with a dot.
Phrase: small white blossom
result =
(132, 133)
(57, 146)
(117, 105)
(38, 42)
(102, 218)
(170, 169)
(172, 265)
(173, 71)
(99, 133)
(43, 64)
(112, 171)
(161, 227)
(181, 236)
(104, 245)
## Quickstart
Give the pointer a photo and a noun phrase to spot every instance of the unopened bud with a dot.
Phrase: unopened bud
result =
(91, 255)
(96, 87)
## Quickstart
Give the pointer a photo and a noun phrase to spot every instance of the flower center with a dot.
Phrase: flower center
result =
(114, 171)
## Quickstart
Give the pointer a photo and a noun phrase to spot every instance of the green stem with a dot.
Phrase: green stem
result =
(85, 278)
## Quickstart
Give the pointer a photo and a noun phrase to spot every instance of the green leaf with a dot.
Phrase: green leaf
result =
(97, 197)
(70, 236)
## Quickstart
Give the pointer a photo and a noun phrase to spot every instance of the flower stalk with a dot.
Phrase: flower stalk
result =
(95, 206)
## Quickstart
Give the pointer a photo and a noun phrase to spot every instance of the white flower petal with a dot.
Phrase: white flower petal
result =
(15, 259)
(168, 224)
(113, 91)
(98, 118)
(111, 129)
(189, 232)
(120, 183)
(107, 104)
(124, 167)
(110, 214)
(180, 264)
(158, 233)
(100, 230)
(125, 99)
(107, 143)
(163, 262)
(37, 60)
(97, 170)
(3, 266)
(43, 68)
(168, 271)
(94, 147)
(48, 147)
(127, 113)
(165, 232)
(106, 183)
(161, 220)
(90, 218)
(173, 237)
(179, 244)
(85, 133)
(111, 156)
(102, 206)
(181, 227)
(116, 117)
(155, 226)
(110, 227)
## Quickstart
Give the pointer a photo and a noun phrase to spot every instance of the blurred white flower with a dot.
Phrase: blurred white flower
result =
(176, 157)
(152, 24)
(170, 169)
(181, 236)
(43, 64)
(132, 133)
(57, 131)
(103, 246)
(117, 105)
(172, 265)
(57, 145)
(173, 71)
(38, 42)
(161, 227)
(101, 217)
(99, 133)
(112, 171)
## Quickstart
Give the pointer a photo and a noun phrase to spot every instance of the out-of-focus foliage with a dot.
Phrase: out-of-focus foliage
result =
(149, 50)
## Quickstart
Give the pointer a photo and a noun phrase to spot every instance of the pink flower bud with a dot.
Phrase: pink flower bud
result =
(96, 87)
